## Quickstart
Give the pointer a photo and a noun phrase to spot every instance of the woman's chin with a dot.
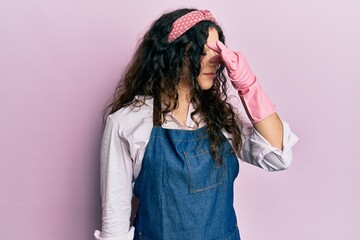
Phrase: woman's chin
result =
(206, 81)
(206, 86)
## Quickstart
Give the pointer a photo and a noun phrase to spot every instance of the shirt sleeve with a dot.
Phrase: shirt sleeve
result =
(116, 173)
(259, 152)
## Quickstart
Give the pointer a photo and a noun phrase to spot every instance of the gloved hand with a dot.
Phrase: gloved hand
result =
(238, 69)
(257, 104)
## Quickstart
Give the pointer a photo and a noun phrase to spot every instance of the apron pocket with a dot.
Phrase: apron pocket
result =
(204, 172)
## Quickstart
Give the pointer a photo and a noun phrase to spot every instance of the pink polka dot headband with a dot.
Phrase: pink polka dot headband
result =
(184, 23)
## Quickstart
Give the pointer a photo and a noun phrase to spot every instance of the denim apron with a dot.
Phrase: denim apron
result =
(184, 193)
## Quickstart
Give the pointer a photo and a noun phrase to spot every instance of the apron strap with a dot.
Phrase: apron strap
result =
(157, 111)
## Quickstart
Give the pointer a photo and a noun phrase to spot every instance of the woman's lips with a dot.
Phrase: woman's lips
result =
(209, 74)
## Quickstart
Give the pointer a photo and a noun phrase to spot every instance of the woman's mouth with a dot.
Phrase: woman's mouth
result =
(211, 74)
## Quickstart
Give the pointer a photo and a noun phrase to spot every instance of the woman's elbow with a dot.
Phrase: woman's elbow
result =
(274, 162)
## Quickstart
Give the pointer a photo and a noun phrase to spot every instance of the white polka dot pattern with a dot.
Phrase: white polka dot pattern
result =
(184, 23)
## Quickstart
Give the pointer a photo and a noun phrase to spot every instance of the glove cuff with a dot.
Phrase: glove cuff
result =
(256, 103)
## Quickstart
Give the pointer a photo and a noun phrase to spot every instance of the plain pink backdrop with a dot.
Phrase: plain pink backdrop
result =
(60, 61)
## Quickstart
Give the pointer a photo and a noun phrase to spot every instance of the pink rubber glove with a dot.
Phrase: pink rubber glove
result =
(257, 104)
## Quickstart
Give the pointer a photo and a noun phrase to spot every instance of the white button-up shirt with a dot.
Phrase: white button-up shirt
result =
(125, 137)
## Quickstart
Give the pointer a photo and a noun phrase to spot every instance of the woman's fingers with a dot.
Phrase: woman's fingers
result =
(213, 46)
(216, 59)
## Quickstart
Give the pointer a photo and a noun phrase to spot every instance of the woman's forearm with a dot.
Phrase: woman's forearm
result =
(271, 129)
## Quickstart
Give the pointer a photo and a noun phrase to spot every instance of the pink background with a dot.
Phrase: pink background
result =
(61, 60)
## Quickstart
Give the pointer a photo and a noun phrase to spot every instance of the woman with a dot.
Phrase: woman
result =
(174, 134)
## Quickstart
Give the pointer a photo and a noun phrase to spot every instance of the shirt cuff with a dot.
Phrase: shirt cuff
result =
(128, 236)
(269, 157)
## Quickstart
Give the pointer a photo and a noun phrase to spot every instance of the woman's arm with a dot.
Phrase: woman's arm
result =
(256, 149)
(268, 140)
(257, 104)
(116, 173)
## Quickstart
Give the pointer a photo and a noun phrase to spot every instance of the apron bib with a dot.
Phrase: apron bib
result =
(184, 193)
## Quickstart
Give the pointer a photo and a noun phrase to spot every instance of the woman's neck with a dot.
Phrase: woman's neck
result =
(181, 112)
(183, 90)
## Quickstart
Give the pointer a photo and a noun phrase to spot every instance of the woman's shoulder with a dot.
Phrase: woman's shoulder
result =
(134, 115)
(138, 104)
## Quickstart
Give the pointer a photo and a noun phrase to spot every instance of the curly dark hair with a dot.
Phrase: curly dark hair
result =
(155, 70)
